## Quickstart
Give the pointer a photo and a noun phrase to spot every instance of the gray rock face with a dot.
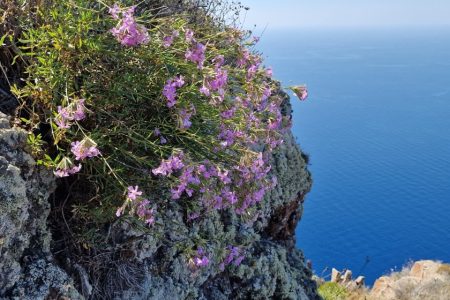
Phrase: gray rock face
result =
(26, 271)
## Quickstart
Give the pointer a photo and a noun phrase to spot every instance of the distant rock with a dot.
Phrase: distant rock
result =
(425, 279)
(335, 275)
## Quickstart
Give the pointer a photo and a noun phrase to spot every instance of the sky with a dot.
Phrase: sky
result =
(346, 13)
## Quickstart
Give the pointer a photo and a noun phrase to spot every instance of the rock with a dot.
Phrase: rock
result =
(423, 280)
(347, 277)
(382, 288)
(425, 269)
(26, 267)
(8, 103)
(360, 281)
(335, 275)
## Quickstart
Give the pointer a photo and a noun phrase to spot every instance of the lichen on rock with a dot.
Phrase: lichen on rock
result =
(26, 267)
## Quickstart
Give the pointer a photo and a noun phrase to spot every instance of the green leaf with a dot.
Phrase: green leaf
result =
(2, 39)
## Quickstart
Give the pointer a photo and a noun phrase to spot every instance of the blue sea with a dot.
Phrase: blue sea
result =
(377, 128)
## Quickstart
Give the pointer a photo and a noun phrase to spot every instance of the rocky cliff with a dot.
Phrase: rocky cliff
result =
(43, 257)
(274, 268)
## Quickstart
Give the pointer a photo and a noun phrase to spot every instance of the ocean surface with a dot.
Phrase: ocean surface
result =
(377, 128)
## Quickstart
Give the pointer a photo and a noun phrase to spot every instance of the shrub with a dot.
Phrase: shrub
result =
(140, 109)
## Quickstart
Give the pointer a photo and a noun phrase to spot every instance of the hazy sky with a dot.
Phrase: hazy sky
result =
(347, 13)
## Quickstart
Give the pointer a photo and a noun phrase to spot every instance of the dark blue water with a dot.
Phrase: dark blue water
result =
(377, 128)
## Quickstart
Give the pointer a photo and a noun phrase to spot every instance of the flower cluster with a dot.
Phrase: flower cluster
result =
(168, 40)
(127, 31)
(301, 91)
(234, 257)
(185, 117)
(200, 259)
(85, 149)
(196, 54)
(66, 168)
(216, 83)
(138, 206)
(170, 165)
(162, 139)
(81, 150)
(170, 89)
(241, 187)
(75, 111)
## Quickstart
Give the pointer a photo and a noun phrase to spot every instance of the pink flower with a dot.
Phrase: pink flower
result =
(84, 149)
(193, 216)
(185, 116)
(223, 176)
(79, 114)
(114, 11)
(170, 165)
(170, 89)
(133, 192)
(234, 256)
(73, 112)
(197, 55)
(127, 31)
(61, 173)
(65, 113)
(167, 41)
(75, 169)
(164, 169)
(185, 119)
(169, 92)
(205, 91)
(119, 211)
(61, 122)
(228, 114)
(201, 260)
(243, 60)
(145, 213)
(301, 92)
(218, 61)
(66, 168)
(219, 81)
(252, 71)
(238, 260)
(178, 81)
